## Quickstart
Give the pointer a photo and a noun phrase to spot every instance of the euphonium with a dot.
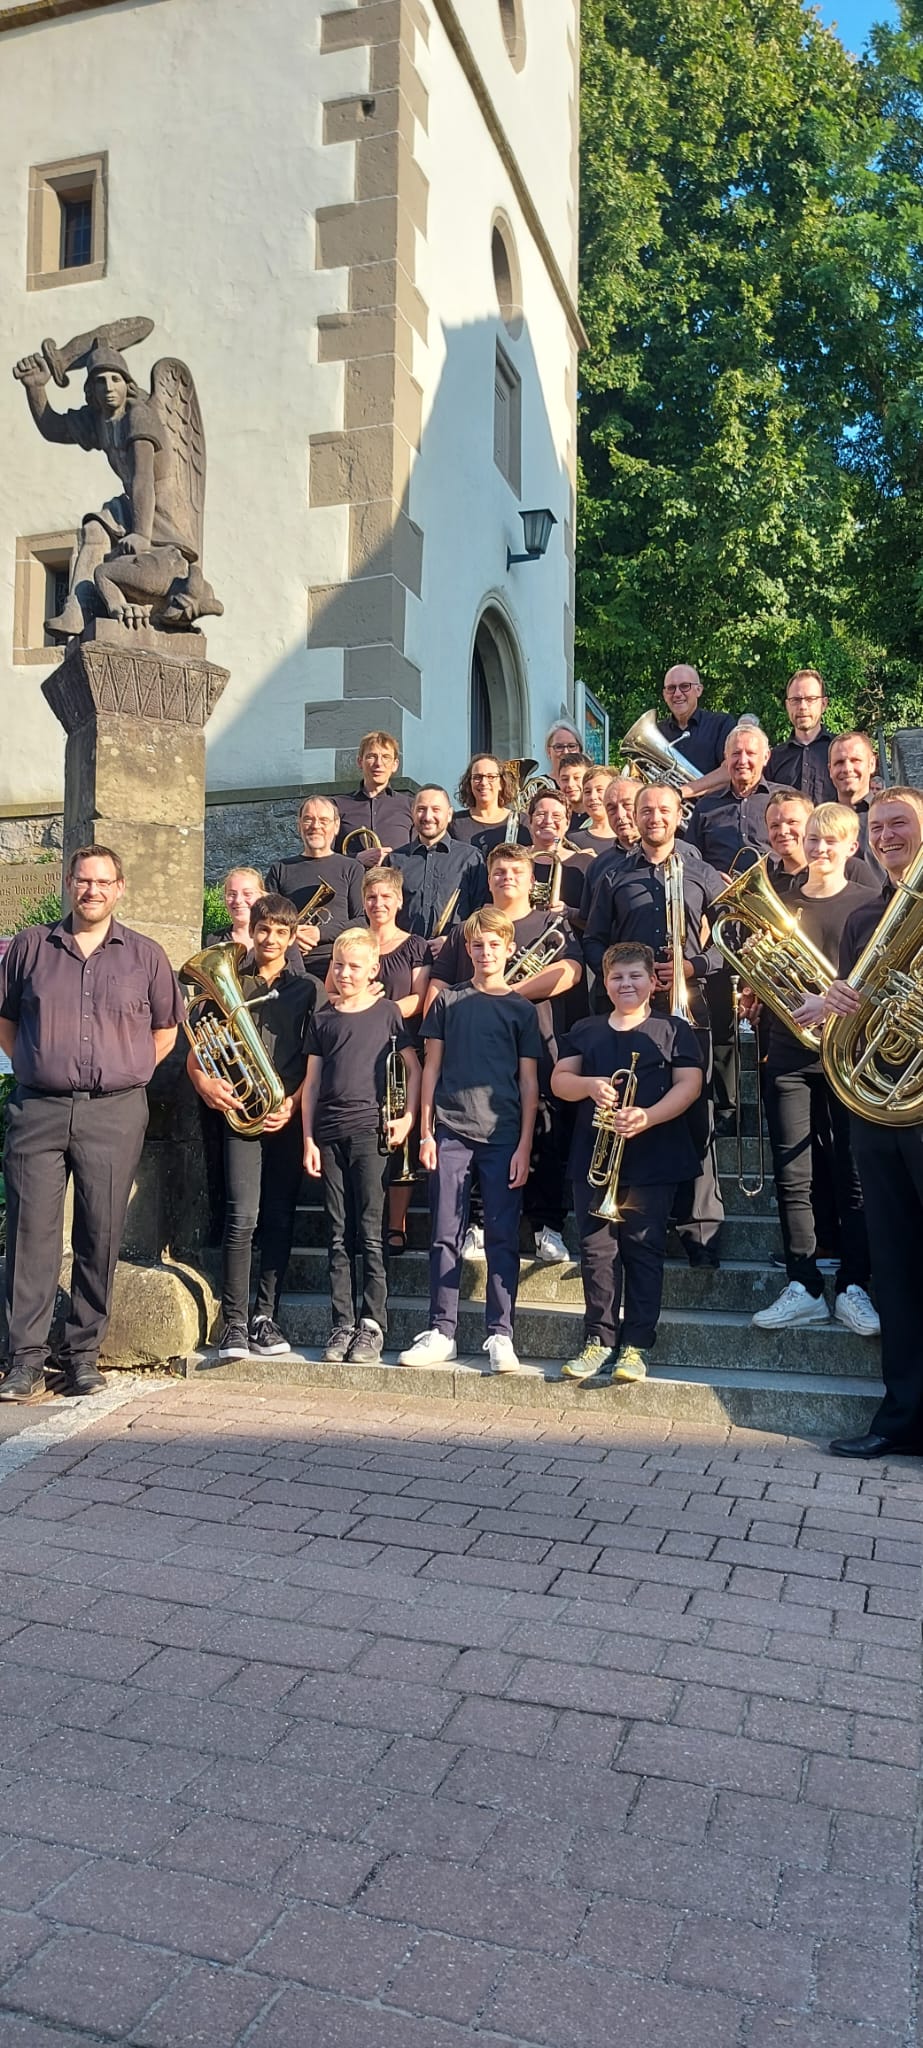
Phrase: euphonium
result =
(394, 1104)
(606, 1161)
(229, 1047)
(526, 785)
(777, 960)
(361, 836)
(652, 758)
(873, 1059)
(676, 936)
(535, 958)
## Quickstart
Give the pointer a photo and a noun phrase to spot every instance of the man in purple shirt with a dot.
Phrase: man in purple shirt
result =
(88, 1009)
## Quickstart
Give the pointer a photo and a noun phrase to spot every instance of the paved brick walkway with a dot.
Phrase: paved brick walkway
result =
(328, 1726)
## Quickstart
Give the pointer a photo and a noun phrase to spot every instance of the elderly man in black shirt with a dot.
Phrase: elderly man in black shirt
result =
(437, 869)
(700, 735)
(88, 1009)
(375, 806)
(300, 877)
(801, 761)
(631, 903)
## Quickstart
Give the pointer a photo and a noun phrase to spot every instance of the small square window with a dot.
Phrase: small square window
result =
(67, 222)
(507, 419)
(43, 572)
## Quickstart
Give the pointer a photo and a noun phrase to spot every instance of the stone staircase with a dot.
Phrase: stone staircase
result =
(710, 1364)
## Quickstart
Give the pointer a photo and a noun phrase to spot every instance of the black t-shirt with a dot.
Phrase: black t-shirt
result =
(484, 1038)
(282, 1020)
(299, 877)
(465, 827)
(822, 919)
(661, 1157)
(354, 1046)
(452, 964)
(395, 969)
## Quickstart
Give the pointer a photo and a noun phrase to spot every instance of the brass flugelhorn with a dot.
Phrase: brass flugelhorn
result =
(548, 895)
(776, 958)
(542, 953)
(606, 1160)
(873, 1058)
(394, 1104)
(228, 1047)
(363, 837)
(313, 911)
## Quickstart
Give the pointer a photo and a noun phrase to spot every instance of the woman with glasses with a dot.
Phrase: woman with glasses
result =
(486, 791)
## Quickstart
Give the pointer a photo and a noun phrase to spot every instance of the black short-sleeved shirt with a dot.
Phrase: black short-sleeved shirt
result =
(484, 1038)
(396, 969)
(804, 765)
(484, 837)
(822, 920)
(665, 1155)
(858, 873)
(453, 965)
(298, 878)
(354, 1046)
(596, 843)
(282, 1020)
(86, 1023)
(389, 815)
(858, 929)
(702, 741)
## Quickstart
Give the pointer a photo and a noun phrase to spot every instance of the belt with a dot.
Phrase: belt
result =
(80, 1094)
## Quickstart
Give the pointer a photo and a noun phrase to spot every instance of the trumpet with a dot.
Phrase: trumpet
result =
(547, 895)
(526, 785)
(363, 837)
(609, 1145)
(228, 1046)
(676, 936)
(315, 911)
(535, 958)
(392, 1105)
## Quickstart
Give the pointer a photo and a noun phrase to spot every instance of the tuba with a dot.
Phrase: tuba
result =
(652, 758)
(526, 785)
(533, 959)
(229, 1046)
(606, 1161)
(776, 958)
(873, 1058)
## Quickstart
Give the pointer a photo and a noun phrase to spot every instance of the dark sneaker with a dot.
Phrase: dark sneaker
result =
(267, 1340)
(233, 1342)
(367, 1344)
(23, 1383)
(83, 1378)
(338, 1343)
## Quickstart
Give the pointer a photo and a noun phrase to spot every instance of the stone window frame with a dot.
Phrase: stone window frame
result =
(36, 554)
(508, 419)
(48, 185)
(507, 275)
(513, 31)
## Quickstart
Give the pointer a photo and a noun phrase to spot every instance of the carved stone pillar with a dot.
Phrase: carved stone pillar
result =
(134, 707)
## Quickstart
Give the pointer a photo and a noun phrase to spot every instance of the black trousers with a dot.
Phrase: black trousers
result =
(890, 1164)
(625, 1257)
(798, 1105)
(721, 1012)
(449, 1216)
(355, 1178)
(698, 1205)
(262, 1178)
(95, 1141)
(544, 1196)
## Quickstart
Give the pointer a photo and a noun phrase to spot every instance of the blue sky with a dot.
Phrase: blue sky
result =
(854, 18)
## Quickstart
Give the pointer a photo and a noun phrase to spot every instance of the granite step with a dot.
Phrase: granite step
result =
(744, 1285)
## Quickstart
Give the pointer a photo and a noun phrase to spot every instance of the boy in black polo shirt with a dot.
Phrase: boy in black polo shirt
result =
(480, 1095)
(659, 1153)
(348, 1047)
(263, 1173)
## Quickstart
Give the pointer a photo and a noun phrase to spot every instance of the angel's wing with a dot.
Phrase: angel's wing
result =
(174, 395)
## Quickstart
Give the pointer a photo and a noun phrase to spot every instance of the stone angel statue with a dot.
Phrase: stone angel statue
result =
(138, 559)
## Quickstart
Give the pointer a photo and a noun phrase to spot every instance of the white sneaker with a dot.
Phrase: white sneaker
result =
(502, 1356)
(551, 1248)
(855, 1310)
(473, 1242)
(430, 1348)
(794, 1309)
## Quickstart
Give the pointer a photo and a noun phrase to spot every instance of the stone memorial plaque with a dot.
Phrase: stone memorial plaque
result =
(22, 885)
(907, 757)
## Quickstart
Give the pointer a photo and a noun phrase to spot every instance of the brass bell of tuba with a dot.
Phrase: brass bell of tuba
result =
(873, 1058)
(229, 1046)
(652, 758)
(776, 958)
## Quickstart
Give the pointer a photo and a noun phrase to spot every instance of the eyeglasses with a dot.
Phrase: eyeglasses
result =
(88, 882)
(679, 689)
(485, 778)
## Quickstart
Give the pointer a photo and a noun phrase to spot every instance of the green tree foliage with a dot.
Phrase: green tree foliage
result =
(752, 401)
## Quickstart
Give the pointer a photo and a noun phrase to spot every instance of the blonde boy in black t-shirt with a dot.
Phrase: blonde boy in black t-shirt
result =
(658, 1153)
(348, 1044)
(480, 1095)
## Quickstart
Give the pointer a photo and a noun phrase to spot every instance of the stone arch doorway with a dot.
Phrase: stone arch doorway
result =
(498, 721)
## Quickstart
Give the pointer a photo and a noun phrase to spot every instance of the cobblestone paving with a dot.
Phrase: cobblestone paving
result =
(331, 1726)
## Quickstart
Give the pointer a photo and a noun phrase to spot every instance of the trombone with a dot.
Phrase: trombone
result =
(676, 936)
(446, 915)
(750, 1185)
(606, 1160)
